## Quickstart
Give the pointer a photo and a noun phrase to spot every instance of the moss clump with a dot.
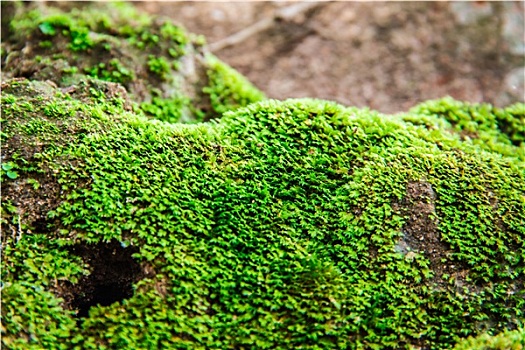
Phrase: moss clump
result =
(295, 224)
(227, 89)
(493, 129)
(152, 58)
(158, 66)
(168, 110)
(114, 72)
(508, 340)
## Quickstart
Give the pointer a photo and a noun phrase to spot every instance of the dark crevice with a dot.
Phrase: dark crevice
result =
(113, 272)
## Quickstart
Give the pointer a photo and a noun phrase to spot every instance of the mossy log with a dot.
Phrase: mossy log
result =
(281, 225)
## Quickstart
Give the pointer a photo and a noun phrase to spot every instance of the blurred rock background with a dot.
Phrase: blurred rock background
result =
(387, 56)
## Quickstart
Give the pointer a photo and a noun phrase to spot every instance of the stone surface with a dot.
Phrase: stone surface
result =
(388, 56)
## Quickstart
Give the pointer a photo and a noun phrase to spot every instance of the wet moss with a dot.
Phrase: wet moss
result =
(285, 224)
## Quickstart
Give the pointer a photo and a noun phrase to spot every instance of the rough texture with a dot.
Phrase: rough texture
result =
(509, 340)
(387, 56)
(168, 71)
(283, 224)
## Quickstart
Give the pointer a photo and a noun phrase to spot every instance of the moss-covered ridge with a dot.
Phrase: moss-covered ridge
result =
(295, 224)
(165, 69)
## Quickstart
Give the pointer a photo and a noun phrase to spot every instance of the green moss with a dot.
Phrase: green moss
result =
(493, 129)
(19, 329)
(79, 21)
(77, 30)
(26, 22)
(228, 89)
(40, 126)
(114, 71)
(168, 110)
(177, 35)
(46, 44)
(508, 340)
(112, 42)
(277, 227)
(159, 66)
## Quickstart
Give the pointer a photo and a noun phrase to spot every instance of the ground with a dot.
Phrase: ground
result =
(388, 57)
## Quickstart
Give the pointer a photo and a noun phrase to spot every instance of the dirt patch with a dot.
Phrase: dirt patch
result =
(387, 56)
(32, 204)
(421, 235)
(113, 272)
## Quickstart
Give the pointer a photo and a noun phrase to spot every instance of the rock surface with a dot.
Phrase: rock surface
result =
(283, 224)
(388, 56)
(168, 71)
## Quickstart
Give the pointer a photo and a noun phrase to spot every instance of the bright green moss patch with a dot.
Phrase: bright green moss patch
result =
(115, 72)
(227, 89)
(509, 340)
(43, 325)
(496, 129)
(168, 110)
(158, 66)
(295, 224)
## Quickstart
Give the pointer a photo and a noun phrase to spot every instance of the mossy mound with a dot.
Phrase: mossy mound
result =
(296, 224)
(509, 340)
(164, 68)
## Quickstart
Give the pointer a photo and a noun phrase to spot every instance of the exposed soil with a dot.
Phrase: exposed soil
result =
(113, 272)
(386, 56)
(421, 234)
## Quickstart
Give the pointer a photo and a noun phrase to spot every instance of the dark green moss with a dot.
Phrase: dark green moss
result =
(293, 224)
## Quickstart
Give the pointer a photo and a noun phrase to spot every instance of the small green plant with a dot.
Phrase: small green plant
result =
(77, 31)
(168, 110)
(34, 183)
(46, 44)
(55, 109)
(174, 33)
(159, 66)
(9, 170)
(114, 71)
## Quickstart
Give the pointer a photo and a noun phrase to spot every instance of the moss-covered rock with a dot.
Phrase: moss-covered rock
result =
(295, 224)
(165, 69)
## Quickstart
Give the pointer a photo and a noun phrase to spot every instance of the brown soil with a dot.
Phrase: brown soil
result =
(113, 272)
(387, 56)
(421, 234)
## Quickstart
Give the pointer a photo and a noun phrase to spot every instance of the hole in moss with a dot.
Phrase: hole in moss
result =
(113, 273)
